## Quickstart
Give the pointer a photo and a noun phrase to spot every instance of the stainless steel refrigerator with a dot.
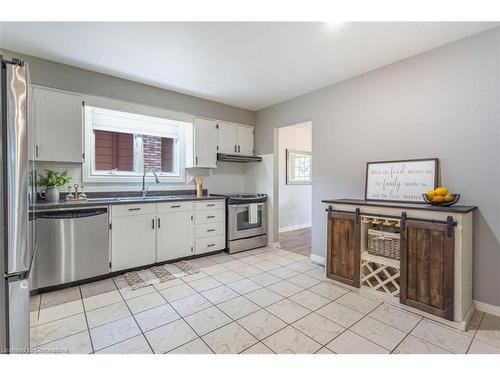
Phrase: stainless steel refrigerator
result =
(15, 191)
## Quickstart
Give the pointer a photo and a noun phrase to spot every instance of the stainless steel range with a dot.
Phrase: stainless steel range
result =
(246, 221)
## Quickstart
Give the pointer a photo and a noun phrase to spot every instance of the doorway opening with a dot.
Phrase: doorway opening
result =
(294, 187)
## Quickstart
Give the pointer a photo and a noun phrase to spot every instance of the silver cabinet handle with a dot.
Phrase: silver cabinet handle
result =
(210, 205)
(210, 245)
(211, 217)
(238, 148)
(159, 223)
(36, 150)
(210, 230)
(235, 148)
(153, 224)
(196, 160)
(176, 206)
(134, 209)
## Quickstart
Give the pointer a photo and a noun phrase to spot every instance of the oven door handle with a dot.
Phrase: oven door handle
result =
(245, 205)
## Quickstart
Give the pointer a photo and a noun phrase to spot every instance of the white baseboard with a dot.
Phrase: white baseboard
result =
(318, 259)
(487, 308)
(294, 227)
(276, 245)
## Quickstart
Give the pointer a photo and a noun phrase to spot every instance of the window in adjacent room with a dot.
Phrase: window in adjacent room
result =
(298, 167)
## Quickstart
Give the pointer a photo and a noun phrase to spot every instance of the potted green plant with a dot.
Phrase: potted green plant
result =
(52, 182)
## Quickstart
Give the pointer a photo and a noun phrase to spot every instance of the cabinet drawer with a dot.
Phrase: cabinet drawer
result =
(204, 245)
(209, 216)
(209, 229)
(175, 206)
(210, 205)
(133, 209)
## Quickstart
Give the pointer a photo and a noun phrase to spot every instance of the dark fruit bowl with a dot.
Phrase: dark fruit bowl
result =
(442, 204)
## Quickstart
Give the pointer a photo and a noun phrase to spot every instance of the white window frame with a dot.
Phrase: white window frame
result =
(291, 159)
(89, 174)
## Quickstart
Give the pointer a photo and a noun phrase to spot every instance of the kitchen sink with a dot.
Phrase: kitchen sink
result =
(127, 199)
(102, 199)
(161, 197)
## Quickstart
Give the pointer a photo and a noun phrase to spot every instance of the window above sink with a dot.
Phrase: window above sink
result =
(119, 146)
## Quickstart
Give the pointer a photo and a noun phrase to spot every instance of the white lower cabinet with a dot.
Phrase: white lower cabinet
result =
(208, 244)
(143, 234)
(210, 226)
(209, 216)
(210, 229)
(133, 239)
(175, 235)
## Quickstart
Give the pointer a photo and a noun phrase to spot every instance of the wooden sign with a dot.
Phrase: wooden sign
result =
(400, 180)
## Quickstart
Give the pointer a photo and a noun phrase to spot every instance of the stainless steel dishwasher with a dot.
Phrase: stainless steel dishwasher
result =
(72, 244)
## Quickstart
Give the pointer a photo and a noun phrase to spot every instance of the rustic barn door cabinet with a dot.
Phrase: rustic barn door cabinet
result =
(416, 256)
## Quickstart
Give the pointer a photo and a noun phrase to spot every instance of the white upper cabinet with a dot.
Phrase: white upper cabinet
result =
(244, 136)
(227, 138)
(205, 143)
(235, 139)
(57, 125)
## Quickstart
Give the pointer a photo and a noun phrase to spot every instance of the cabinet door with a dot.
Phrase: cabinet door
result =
(343, 248)
(227, 138)
(427, 261)
(133, 241)
(245, 140)
(57, 118)
(205, 143)
(175, 235)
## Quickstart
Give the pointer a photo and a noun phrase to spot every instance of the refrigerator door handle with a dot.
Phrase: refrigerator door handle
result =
(16, 168)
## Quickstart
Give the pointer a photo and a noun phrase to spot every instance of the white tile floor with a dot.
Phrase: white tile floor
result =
(260, 301)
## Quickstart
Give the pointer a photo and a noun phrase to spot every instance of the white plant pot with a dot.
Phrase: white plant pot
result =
(51, 194)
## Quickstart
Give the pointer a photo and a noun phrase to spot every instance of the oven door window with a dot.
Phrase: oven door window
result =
(242, 222)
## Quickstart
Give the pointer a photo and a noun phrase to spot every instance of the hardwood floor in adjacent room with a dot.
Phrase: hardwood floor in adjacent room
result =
(298, 241)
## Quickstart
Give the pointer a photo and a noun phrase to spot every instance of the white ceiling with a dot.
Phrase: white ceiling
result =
(246, 64)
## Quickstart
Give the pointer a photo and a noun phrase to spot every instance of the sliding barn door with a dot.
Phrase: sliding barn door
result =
(343, 248)
(427, 263)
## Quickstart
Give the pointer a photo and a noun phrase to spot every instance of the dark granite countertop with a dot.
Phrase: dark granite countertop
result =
(409, 206)
(106, 199)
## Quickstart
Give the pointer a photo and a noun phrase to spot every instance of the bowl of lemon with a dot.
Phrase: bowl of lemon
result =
(440, 197)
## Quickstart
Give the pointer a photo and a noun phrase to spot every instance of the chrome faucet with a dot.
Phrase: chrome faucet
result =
(144, 188)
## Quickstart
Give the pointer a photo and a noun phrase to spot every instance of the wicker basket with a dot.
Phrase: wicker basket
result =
(385, 244)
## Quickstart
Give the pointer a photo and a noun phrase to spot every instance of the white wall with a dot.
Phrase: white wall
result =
(259, 178)
(295, 202)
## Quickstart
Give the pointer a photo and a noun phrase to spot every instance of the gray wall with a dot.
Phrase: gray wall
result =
(70, 78)
(443, 103)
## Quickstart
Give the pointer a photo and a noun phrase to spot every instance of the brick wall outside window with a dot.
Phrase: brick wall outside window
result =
(167, 154)
(152, 153)
(158, 153)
